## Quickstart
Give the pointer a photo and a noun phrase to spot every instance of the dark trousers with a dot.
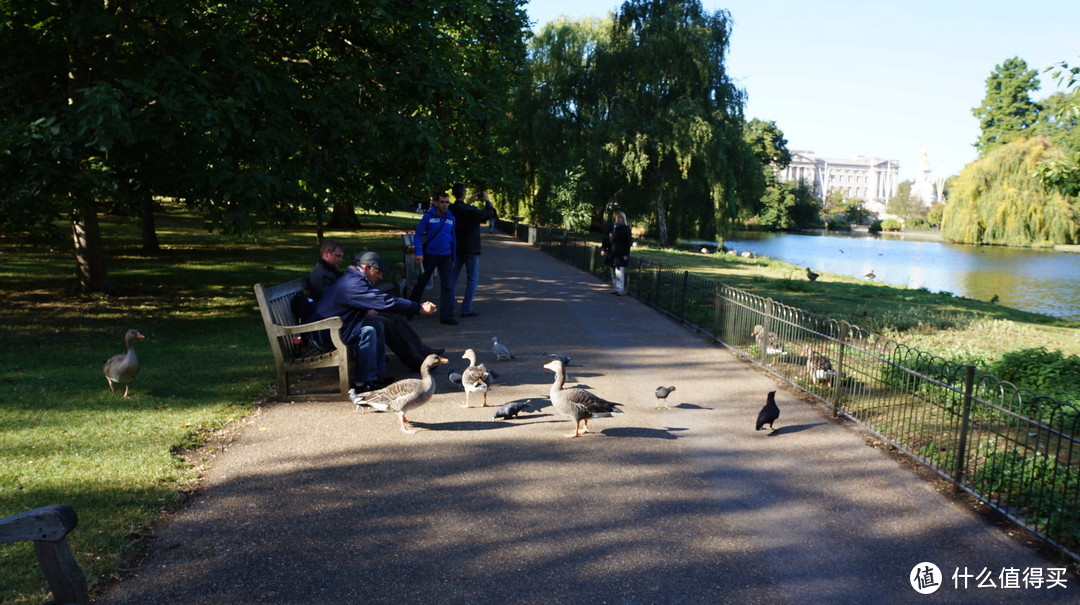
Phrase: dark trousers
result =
(401, 339)
(445, 264)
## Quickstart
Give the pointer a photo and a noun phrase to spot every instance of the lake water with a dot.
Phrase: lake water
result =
(1041, 281)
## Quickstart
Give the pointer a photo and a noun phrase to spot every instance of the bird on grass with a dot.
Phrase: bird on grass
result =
(768, 342)
(475, 377)
(811, 275)
(870, 275)
(577, 404)
(358, 401)
(820, 367)
(512, 409)
(661, 395)
(501, 352)
(406, 395)
(769, 413)
(123, 368)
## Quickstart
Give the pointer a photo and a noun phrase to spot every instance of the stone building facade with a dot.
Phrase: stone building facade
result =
(871, 180)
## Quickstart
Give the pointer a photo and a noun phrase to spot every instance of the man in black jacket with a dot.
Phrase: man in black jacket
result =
(469, 218)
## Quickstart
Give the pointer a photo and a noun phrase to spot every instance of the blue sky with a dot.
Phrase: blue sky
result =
(917, 68)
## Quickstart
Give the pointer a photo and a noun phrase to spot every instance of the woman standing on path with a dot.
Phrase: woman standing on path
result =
(616, 252)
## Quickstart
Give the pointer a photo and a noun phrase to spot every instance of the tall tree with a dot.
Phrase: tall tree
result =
(1007, 111)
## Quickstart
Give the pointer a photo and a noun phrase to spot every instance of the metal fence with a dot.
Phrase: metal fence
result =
(1009, 447)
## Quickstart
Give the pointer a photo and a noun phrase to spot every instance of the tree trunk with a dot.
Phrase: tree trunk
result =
(89, 252)
(149, 229)
(343, 217)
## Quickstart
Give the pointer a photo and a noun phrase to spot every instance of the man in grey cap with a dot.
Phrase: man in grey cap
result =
(358, 302)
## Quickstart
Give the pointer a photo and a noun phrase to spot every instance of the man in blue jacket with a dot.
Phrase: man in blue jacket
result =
(362, 306)
(436, 248)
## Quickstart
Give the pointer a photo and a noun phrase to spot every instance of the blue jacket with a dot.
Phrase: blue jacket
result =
(350, 298)
(435, 234)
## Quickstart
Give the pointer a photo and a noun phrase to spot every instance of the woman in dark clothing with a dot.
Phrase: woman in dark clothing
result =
(616, 252)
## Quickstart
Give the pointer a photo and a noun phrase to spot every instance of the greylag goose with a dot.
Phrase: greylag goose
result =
(811, 275)
(475, 377)
(565, 359)
(123, 368)
(406, 395)
(501, 352)
(769, 413)
(577, 404)
(870, 275)
(661, 395)
(768, 342)
(820, 367)
(511, 410)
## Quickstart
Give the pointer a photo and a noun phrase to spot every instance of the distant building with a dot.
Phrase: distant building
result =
(871, 180)
(927, 187)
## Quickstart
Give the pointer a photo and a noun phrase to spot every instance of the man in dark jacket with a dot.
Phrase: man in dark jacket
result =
(436, 248)
(468, 219)
(616, 252)
(326, 272)
(355, 299)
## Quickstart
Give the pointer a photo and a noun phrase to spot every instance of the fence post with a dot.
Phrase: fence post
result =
(965, 421)
(682, 301)
(718, 312)
(838, 390)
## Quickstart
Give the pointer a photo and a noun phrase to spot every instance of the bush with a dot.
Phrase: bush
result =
(889, 224)
(1045, 372)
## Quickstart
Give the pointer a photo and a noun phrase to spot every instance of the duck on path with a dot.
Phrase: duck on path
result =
(406, 395)
(123, 368)
(577, 404)
(476, 377)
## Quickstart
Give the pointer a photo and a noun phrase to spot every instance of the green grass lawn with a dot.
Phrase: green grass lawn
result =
(65, 438)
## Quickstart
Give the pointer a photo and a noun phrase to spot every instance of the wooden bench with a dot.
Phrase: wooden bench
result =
(291, 342)
(48, 528)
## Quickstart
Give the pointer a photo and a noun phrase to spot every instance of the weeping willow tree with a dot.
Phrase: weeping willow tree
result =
(999, 199)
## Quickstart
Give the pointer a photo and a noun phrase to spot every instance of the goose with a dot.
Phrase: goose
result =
(408, 394)
(475, 377)
(661, 395)
(870, 275)
(820, 367)
(811, 275)
(577, 404)
(501, 352)
(123, 368)
(565, 359)
(769, 413)
(768, 341)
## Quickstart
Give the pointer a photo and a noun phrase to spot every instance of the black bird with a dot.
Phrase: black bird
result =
(769, 413)
(661, 395)
(511, 410)
(811, 275)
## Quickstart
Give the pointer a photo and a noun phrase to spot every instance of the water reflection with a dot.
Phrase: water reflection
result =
(1034, 280)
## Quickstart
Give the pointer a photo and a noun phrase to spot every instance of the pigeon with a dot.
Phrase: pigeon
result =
(358, 401)
(501, 352)
(811, 275)
(123, 368)
(661, 395)
(563, 358)
(769, 413)
(577, 404)
(408, 394)
(820, 367)
(768, 342)
(455, 379)
(511, 410)
(475, 377)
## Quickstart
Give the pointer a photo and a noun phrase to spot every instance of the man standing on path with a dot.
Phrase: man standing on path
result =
(468, 219)
(436, 248)
(616, 253)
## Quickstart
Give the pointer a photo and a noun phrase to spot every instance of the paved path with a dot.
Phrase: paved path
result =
(313, 503)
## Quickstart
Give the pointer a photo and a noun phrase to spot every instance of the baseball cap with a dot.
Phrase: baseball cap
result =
(370, 259)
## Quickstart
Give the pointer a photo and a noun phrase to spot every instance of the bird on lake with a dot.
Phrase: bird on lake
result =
(123, 368)
(870, 275)
(820, 367)
(512, 409)
(501, 352)
(577, 404)
(768, 342)
(811, 275)
(475, 377)
(661, 395)
(406, 395)
(769, 413)
(565, 359)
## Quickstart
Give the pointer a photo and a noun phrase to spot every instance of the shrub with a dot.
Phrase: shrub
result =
(889, 224)
(1046, 372)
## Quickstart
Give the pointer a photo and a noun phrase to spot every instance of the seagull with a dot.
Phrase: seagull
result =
(577, 404)
(811, 275)
(358, 400)
(768, 342)
(870, 275)
(769, 413)
(475, 377)
(123, 368)
(511, 410)
(820, 367)
(501, 352)
(661, 395)
(408, 394)
(563, 358)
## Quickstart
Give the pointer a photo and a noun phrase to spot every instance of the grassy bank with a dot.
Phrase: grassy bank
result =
(64, 438)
